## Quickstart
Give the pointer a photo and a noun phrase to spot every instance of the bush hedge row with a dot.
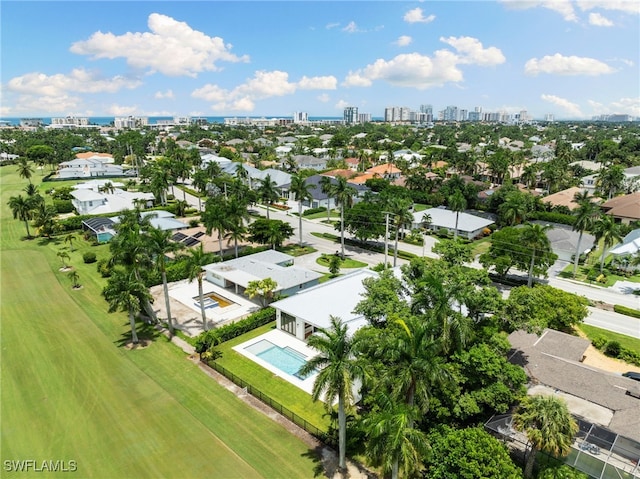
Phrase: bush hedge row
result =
(209, 339)
(553, 217)
(634, 313)
(614, 349)
(313, 211)
(378, 249)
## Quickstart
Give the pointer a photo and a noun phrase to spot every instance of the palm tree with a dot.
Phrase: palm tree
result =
(535, 238)
(606, 229)
(325, 186)
(22, 209)
(195, 261)
(25, 170)
(514, 209)
(267, 192)
(300, 190)
(611, 180)
(400, 209)
(64, 257)
(70, 238)
(74, 277)
(393, 442)
(586, 214)
(338, 370)
(343, 194)
(457, 203)
(125, 292)
(160, 243)
(548, 424)
(214, 217)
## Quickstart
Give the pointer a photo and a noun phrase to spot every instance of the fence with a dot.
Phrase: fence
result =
(273, 404)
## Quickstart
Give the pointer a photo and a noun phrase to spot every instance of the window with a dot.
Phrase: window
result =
(288, 323)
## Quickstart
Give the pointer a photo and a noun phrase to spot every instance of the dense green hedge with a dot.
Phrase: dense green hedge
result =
(552, 217)
(63, 206)
(209, 339)
(378, 249)
(614, 349)
(313, 211)
(634, 313)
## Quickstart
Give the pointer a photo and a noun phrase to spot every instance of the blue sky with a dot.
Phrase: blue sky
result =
(571, 58)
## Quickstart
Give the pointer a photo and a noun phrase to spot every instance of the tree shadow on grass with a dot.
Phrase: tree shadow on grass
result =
(321, 467)
(147, 334)
(49, 240)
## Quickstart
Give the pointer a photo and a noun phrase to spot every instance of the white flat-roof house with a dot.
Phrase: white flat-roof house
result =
(302, 314)
(87, 165)
(89, 202)
(469, 226)
(235, 274)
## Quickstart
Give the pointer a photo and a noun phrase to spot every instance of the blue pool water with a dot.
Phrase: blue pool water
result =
(285, 359)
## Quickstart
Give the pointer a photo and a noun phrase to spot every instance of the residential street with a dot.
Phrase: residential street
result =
(598, 317)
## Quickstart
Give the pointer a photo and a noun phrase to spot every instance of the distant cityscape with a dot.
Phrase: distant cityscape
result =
(425, 116)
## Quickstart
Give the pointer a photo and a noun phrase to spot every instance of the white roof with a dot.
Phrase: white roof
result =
(444, 218)
(263, 265)
(630, 244)
(87, 195)
(119, 201)
(337, 297)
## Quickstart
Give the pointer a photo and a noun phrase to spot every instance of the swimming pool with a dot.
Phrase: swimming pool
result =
(286, 359)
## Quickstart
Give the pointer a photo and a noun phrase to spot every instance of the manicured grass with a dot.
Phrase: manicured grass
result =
(71, 391)
(297, 250)
(346, 263)
(625, 341)
(322, 215)
(481, 246)
(420, 207)
(277, 388)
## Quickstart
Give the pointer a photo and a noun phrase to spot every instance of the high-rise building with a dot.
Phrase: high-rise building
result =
(427, 110)
(350, 115)
(450, 113)
(364, 117)
(300, 117)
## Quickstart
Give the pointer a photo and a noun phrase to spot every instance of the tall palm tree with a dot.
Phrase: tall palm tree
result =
(400, 209)
(268, 192)
(25, 170)
(22, 209)
(343, 194)
(124, 292)
(457, 203)
(325, 186)
(64, 257)
(196, 259)
(300, 189)
(393, 443)
(586, 214)
(535, 238)
(214, 217)
(606, 229)
(338, 370)
(70, 238)
(610, 180)
(548, 424)
(514, 209)
(160, 243)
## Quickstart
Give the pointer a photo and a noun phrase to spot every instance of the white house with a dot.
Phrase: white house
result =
(90, 165)
(235, 274)
(302, 314)
(469, 226)
(89, 202)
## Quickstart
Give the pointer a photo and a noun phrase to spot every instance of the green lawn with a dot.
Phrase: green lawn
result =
(346, 263)
(628, 342)
(277, 388)
(71, 391)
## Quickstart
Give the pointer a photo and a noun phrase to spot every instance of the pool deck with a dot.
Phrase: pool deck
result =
(281, 339)
(186, 311)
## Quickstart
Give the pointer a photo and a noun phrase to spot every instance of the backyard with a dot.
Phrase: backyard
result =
(70, 390)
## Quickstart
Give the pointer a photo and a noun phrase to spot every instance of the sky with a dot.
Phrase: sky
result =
(571, 58)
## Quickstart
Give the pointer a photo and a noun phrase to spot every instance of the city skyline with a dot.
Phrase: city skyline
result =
(572, 59)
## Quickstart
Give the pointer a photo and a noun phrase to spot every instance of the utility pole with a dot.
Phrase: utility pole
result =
(386, 237)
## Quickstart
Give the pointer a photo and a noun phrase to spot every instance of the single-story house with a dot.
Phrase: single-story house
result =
(564, 241)
(105, 228)
(309, 162)
(624, 208)
(302, 314)
(90, 164)
(629, 247)
(208, 158)
(89, 202)
(469, 226)
(235, 274)
(564, 197)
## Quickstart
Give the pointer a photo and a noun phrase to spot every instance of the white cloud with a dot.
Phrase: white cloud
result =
(599, 20)
(160, 95)
(351, 27)
(403, 40)
(46, 104)
(170, 47)
(329, 26)
(318, 83)
(78, 80)
(626, 6)
(474, 52)
(628, 106)
(572, 109)
(417, 16)
(264, 84)
(563, 7)
(421, 71)
(341, 105)
(560, 65)
(324, 97)
(119, 110)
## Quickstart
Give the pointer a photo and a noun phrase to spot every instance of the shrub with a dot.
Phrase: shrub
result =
(104, 268)
(313, 211)
(194, 222)
(89, 257)
(634, 313)
(612, 348)
(208, 339)
(63, 206)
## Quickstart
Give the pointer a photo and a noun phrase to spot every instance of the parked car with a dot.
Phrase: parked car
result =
(632, 375)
